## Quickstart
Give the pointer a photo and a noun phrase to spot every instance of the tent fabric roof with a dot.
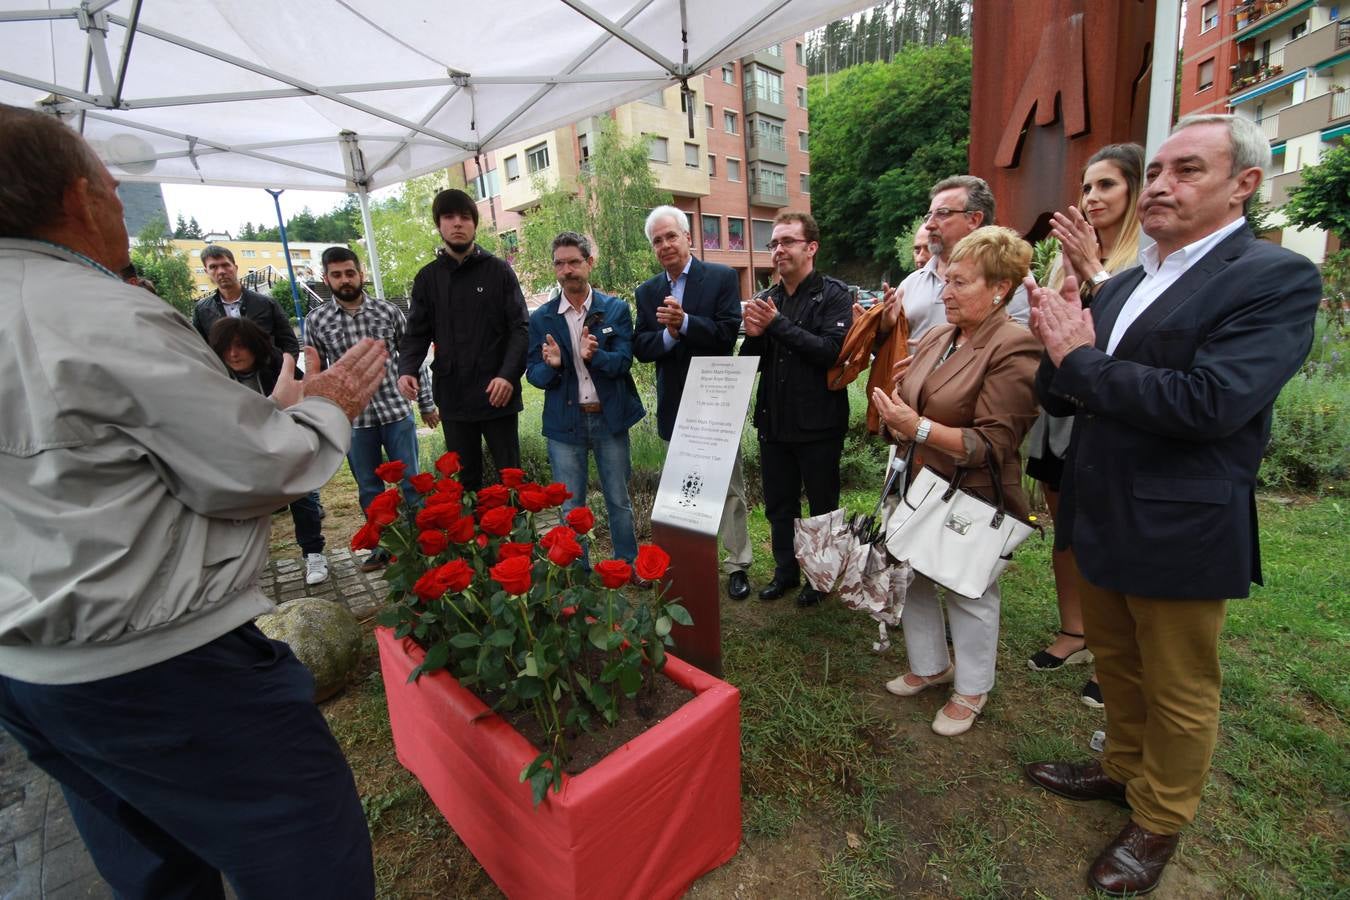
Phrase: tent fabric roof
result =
(351, 95)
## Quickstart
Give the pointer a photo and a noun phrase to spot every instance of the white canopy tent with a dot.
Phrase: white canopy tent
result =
(354, 95)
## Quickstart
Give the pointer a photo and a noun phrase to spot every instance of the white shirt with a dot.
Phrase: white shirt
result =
(233, 310)
(1158, 277)
(575, 319)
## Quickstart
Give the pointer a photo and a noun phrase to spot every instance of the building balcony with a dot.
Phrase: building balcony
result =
(764, 100)
(1270, 126)
(1317, 46)
(767, 149)
(1317, 114)
(768, 195)
(1256, 15)
(1251, 72)
(766, 59)
(1281, 185)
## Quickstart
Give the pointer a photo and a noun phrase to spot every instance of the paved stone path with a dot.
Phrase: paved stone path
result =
(41, 854)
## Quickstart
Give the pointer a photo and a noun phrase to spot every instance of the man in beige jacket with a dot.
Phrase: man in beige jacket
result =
(137, 482)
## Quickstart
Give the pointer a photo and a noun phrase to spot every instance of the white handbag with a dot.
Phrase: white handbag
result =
(953, 536)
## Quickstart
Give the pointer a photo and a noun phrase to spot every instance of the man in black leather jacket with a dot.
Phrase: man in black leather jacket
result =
(797, 328)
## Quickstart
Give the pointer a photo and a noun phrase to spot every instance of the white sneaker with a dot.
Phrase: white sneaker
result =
(316, 568)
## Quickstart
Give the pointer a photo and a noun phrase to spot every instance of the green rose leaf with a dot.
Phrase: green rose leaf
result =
(679, 614)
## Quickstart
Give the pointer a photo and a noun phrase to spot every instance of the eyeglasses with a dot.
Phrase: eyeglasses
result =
(941, 213)
(785, 243)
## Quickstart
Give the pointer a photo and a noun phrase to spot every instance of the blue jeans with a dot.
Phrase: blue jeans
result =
(308, 526)
(399, 441)
(215, 761)
(612, 461)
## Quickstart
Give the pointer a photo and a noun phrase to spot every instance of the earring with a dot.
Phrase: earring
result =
(996, 299)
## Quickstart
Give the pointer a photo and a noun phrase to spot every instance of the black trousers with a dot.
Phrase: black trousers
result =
(466, 438)
(214, 762)
(786, 468)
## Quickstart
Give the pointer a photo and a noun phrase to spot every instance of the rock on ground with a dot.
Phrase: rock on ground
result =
(323, 635)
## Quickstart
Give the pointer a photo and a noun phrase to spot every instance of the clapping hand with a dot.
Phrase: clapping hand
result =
(894, 300)
(588, 344)
(551, 352)
(671, 314)
(352, 380)
(758, 315)
(900, 419)
(1078, 242)
(1059, 320)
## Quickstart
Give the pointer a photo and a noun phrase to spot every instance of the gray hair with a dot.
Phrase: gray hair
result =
(666, 212)
(573, 239)
(979, 198)
(40, 157)
(1248, 148)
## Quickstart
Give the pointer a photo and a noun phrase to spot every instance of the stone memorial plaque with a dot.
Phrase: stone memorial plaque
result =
(704, 443)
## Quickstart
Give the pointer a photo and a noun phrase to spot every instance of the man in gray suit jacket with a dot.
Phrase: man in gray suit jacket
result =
(692, 308)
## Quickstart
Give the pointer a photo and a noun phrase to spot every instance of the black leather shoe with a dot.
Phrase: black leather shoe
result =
(738, 586)
(809, 596)
(780, 585)
(1077, 781)
(377, 560)
(1133, 863)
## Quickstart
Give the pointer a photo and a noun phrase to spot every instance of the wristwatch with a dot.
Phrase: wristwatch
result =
(1101, 278)
(921, 436)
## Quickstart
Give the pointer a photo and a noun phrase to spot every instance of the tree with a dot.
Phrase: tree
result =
(1322, 198)
(559, 210)
(157, 259)
(180, 228)
(880, 138)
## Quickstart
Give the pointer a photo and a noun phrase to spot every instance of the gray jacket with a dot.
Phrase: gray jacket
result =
(137, 479)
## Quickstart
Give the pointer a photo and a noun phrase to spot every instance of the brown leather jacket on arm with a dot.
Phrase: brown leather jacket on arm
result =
(987, 389)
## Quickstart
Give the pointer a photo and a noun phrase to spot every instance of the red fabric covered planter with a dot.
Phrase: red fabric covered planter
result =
(645, 821)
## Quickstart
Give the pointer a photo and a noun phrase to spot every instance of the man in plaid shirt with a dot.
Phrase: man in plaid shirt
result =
(388, 421)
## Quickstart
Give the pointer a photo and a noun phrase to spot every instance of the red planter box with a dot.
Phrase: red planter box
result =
(645, 821)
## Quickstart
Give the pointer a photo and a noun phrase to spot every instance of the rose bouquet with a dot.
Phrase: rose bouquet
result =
(515, 615)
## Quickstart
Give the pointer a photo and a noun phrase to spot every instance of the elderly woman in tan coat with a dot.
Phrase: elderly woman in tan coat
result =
(967, 391)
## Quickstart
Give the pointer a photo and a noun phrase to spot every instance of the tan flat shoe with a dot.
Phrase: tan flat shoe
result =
(946, 726)
(902, 688)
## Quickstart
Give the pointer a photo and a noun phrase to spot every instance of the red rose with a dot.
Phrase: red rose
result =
(422, 482)
(391, 472)
(449, 486)
(456, 575)
(614, 573)
(651, 562)
(367, 538)
(430, 586)
(565, 551)
(557, 492)
(581, 519)
(481, 541)
(509, 550)
(555, 534)
(513, 477)
(512, 574)
(434, 517)
(497, 522)
(532, 500)
(568, 612)
(438, 498)
(433, 543)
(448, 464)
(383, 510)
(460, 530)
(493, 495)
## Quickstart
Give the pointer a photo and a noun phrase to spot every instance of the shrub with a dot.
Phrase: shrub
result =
(1310, 433)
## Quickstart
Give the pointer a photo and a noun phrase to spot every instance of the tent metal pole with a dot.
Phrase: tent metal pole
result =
(290, 268)
(370, 243)
(1162, 79)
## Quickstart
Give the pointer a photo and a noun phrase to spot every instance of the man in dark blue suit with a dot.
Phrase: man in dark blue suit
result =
(692, 309)
(1171, 379)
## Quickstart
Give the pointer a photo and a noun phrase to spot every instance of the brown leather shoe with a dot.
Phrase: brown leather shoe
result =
(1077, 781)
(1133, 863)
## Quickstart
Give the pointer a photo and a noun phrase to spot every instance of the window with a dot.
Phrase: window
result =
(801, 54)
(584, 144)
(1209, 15)
(486, 185)
(199, 270)
(512, 168)
(775, 50)
(658, 149)
(761, 232)
(801, 97)
(655, 98)
(763, 83)
(712, 233)
(536, 157)
(196, 253)
(804, 185)
(712, 165)
(767, 134)
(691, 155)
(733, 169)
(769, 180)
(802, 142)
(735, 234)
(729, 73)
(250, 254)
(1204, 77)
(728, 121)
(267, 254)
(1298, 31)
(708, 113)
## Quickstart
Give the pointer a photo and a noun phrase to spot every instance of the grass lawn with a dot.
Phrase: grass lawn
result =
(848, 793)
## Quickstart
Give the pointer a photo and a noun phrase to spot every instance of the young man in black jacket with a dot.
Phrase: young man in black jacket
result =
(233, 299)
(469, 303)
(796, 329)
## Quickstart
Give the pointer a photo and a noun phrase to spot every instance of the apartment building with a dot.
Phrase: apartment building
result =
(1285, 65)
(254, 256)
(747, 159)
